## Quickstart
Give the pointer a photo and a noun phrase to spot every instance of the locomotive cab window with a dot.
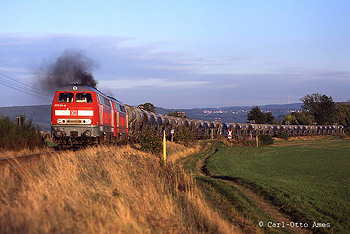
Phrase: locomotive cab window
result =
(104, 101)
(122, 108)
(116, 106)
(65, 97)
(107, 102)
(84, 98)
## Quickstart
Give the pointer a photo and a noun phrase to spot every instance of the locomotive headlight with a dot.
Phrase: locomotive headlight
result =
(86, 121)
(60, 121)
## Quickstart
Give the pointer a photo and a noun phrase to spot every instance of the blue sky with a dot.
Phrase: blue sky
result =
(183, 54)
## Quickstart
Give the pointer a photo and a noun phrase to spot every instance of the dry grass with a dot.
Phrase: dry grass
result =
(104, 190)
(177, 151)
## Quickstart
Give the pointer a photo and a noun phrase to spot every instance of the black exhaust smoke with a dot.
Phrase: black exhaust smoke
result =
(70, 68)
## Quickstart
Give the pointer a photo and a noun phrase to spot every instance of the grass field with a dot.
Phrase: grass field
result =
(229, 201)
(308, 180)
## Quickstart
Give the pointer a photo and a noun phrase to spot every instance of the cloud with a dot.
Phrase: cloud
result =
(136, 72)
(155, 83)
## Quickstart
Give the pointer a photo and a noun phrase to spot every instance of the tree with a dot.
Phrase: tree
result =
(290, 119)
(260, 117)
(310, 102)
(321, 107)
(257, 115)
(343, 115)
(269, 117)
(173, 113)
(303, 118)
(147, 107)
(177, 114)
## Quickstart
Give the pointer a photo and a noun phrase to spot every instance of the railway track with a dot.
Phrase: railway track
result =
(21, 161)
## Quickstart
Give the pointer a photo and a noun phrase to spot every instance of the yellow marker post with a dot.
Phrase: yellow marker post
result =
(164, 147)
(257, 140)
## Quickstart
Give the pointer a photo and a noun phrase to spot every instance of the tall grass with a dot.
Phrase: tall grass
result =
(104, 190)
(14, 137)
(176, 151)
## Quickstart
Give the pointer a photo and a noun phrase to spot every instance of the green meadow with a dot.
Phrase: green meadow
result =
(307, 180)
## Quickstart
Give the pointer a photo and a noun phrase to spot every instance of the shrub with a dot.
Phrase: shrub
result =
(151, 141)
(347, 131)
(14, 137)
(241, 140)
(247, 141)
(266, 140)
(184, 135)
(283, 135)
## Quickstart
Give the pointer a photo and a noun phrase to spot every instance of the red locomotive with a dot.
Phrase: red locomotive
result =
(81, 114)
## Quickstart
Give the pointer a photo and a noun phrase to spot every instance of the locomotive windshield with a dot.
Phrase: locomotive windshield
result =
(84, 97)
(65, 97)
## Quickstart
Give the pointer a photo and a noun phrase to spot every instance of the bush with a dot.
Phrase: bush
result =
(151, 141)
(283, 135)
(247, 141)
(14, 137)
(184, 135)
(347, 131)
(265, 140)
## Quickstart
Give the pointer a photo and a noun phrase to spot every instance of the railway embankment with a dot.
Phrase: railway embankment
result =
(106, 189)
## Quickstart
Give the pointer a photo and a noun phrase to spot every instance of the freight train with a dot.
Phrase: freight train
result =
(84, 115)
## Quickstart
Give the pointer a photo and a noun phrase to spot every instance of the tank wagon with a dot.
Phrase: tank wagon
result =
(84, 115)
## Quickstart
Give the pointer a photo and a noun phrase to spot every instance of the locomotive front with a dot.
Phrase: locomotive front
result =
(75, 115)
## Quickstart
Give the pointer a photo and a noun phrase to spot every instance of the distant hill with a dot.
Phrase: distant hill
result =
(236, 114)
(41, 115)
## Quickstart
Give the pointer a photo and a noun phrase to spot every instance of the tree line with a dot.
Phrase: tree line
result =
(316, 109)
